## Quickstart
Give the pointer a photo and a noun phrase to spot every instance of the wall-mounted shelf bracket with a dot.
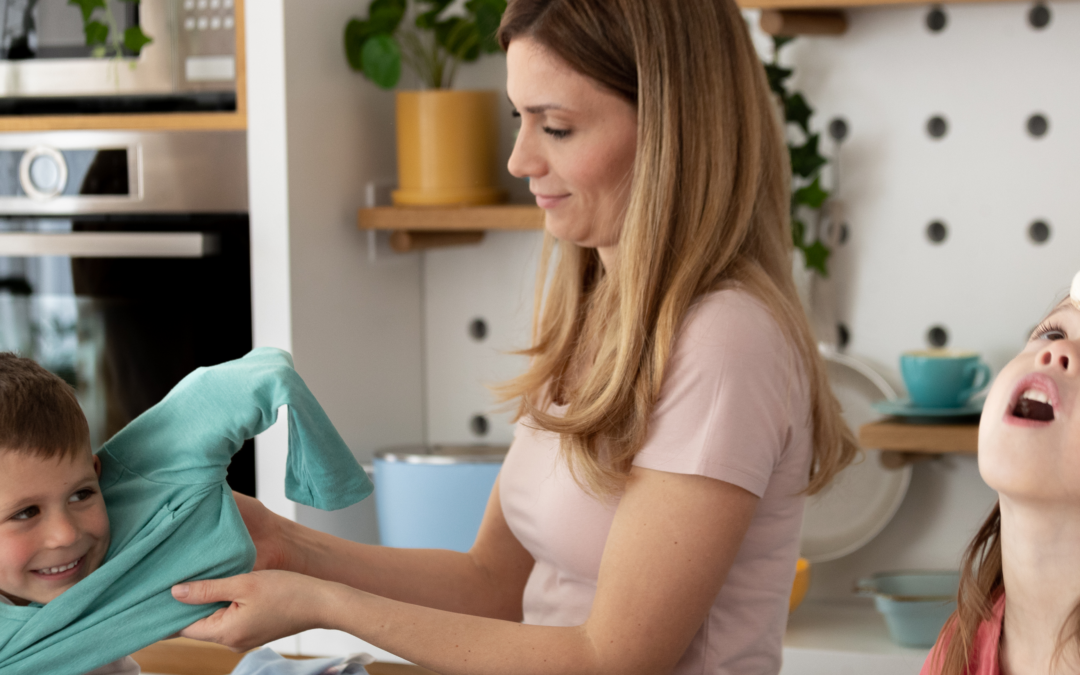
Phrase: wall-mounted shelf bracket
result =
(414, 228)
(904, 443)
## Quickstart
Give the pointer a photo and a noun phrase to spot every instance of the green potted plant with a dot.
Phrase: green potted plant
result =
(447, 140)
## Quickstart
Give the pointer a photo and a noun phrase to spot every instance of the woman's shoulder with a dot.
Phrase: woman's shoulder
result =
(731, 320)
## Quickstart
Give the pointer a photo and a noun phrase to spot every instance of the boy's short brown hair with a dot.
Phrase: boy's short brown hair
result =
(39, 414)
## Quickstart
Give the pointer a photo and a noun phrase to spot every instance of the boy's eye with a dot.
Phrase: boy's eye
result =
(81, 495)
(27, 513)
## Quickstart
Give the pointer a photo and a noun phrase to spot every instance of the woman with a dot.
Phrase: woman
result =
(675, 410)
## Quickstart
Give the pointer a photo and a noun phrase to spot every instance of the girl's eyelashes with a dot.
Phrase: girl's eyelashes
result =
(1049, 331)
(515, 113)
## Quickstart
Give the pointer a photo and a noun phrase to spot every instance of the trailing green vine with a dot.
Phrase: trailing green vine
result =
(103, 34)
(808, 196)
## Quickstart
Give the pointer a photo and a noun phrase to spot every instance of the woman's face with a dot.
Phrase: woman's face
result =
(1029, 434)
(576, 145)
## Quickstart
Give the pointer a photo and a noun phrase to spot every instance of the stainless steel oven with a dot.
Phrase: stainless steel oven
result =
(47, 68)
(125, 264)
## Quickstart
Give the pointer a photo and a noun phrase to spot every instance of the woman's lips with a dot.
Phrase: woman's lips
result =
(549, 201)
(66, 571)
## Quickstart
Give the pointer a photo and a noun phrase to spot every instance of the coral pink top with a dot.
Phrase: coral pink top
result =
(733, 407)
(984, 653)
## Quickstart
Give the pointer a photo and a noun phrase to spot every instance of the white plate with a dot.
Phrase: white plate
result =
(863, 498)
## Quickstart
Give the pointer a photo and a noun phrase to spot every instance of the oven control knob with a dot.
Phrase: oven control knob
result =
(43, 172)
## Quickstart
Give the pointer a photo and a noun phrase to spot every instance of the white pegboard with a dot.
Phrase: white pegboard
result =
(987, 179)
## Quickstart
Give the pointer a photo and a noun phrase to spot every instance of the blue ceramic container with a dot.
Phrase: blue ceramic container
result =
(915, 604)
(434, 497)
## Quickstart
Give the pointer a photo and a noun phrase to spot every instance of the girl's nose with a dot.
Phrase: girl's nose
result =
(1061, 356)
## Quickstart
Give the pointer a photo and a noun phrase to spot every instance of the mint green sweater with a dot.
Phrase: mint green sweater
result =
(172, 514)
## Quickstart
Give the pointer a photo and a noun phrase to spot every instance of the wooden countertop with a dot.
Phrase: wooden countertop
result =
(181, 656)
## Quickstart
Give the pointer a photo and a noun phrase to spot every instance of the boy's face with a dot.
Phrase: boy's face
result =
(53, 527)
(1029, 434)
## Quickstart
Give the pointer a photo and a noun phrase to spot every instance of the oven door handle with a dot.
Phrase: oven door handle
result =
(109, 244)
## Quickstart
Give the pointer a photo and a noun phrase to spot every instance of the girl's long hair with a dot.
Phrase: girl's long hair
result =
(708, 209)
(981, 584)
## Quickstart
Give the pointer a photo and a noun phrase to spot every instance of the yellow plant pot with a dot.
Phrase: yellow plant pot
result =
(448, 143)
(801, 585)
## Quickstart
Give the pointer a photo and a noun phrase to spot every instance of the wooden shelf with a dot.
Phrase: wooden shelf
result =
(452, 218)
(419, 227)
(839, 4)
(156, 121)
(902, 442)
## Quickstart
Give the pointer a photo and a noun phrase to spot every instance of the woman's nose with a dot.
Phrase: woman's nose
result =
(1060, 355)
(525, 161)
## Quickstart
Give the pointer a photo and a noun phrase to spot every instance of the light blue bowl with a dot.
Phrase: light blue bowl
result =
(434, 497)
(915, 604)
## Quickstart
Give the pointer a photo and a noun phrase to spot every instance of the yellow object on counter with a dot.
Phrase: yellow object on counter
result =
(801, 585)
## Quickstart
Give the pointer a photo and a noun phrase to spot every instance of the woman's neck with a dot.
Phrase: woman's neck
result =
(1040, 548)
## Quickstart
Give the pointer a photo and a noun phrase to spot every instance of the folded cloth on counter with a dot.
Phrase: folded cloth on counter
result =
(172, 514)
(266, 661)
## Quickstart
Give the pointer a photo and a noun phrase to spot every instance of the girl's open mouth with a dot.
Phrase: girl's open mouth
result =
(60, 571)
(1034, 399)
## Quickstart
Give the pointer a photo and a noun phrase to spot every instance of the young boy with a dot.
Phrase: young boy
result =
(91, 545)
(54, 529)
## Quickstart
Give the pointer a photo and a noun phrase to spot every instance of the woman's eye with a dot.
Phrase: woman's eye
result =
(557, 133)
(26, 514)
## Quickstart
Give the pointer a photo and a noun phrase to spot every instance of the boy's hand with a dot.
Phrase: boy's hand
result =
(265, 528)
(265, 606)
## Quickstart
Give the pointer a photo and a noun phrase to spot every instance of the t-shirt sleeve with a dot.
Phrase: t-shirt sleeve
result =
(727, 402)
(192, 434)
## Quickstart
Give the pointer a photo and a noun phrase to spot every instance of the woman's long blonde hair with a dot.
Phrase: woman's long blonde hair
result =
(708, 209)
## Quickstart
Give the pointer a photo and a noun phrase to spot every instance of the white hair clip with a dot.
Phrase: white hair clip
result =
(1074, 293)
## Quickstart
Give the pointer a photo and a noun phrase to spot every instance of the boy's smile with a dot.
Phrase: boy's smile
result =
(54, 530)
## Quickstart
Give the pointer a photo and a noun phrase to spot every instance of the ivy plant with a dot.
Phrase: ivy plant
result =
(103, 34)
(808, 195)
(431, 44)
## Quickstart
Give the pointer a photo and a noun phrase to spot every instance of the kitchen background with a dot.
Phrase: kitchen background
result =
(955, 177)
(384, 339)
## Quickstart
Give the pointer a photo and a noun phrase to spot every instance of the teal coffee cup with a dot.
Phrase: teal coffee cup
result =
(943, 378)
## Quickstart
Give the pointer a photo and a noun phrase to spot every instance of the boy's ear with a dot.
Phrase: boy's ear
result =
(97, 466)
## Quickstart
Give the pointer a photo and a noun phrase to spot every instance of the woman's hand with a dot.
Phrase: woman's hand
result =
(266, 606)
(267, 531)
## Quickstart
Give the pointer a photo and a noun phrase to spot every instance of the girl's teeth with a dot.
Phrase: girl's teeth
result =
(58, 570)
(1035, 395)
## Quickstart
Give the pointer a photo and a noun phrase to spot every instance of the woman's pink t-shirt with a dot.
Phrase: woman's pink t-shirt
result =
(733, 407)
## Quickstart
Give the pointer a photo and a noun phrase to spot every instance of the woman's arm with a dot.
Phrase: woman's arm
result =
(488, 580)
(672, 542)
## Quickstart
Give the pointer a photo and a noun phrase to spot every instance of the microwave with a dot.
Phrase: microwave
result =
(47, 69)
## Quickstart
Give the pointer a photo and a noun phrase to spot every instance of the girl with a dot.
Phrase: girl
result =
(675, 411)
(1029, 547)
